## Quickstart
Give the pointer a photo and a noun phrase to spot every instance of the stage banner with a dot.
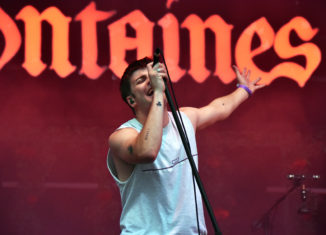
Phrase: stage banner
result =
(60, 68)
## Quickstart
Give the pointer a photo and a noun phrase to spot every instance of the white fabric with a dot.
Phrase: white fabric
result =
(158, 198)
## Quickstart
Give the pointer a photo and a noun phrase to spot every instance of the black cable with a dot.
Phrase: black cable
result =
(175, 101)
(195, 194)
(186, 135)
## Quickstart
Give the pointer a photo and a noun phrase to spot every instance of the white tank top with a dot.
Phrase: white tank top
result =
(158, 197)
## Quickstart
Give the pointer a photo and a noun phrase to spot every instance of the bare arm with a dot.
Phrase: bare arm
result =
(221, 108)
(133, 147)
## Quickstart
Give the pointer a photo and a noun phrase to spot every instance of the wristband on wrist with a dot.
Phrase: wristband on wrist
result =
(245, 88)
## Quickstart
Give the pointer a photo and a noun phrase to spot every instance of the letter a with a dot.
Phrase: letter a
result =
(120, 43)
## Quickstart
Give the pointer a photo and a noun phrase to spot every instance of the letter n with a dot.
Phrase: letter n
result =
(88, 18)
(60, 40)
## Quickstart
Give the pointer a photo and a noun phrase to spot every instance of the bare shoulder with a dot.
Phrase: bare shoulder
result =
(119, 142)
(120, 138)
(192, 114)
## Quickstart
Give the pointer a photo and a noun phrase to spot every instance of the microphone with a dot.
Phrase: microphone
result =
(156, 56)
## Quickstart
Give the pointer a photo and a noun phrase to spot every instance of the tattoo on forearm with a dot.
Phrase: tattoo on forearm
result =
(159, 103)
(146, 135)
(130, 149)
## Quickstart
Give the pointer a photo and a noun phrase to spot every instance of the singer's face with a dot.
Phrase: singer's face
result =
(141, 88)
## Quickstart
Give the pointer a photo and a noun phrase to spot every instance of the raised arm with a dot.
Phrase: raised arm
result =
(127, 144)
(220, 108)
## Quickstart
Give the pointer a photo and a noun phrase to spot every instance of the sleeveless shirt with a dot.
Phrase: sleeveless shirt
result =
(158, 198)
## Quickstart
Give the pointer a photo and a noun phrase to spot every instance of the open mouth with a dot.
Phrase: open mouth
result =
(150, 92)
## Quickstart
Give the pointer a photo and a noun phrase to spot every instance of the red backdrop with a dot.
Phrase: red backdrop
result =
(54, 131)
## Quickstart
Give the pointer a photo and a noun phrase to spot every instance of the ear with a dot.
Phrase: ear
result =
(131, 101)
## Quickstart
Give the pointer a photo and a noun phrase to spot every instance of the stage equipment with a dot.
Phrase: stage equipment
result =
(298, 181)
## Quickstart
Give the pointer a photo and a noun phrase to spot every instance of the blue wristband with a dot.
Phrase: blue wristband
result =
(246, 89)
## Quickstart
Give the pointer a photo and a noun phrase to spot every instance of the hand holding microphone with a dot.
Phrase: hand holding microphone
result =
(157, 72)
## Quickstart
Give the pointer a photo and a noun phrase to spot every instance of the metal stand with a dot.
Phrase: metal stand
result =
(191, 160)
(264, 221)
(298, 181)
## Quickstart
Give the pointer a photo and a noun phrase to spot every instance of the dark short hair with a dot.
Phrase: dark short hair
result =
(125, 89)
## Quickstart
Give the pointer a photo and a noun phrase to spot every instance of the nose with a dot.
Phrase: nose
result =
(149, 82)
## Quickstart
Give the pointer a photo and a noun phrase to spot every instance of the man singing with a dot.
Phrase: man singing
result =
(147, 159)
